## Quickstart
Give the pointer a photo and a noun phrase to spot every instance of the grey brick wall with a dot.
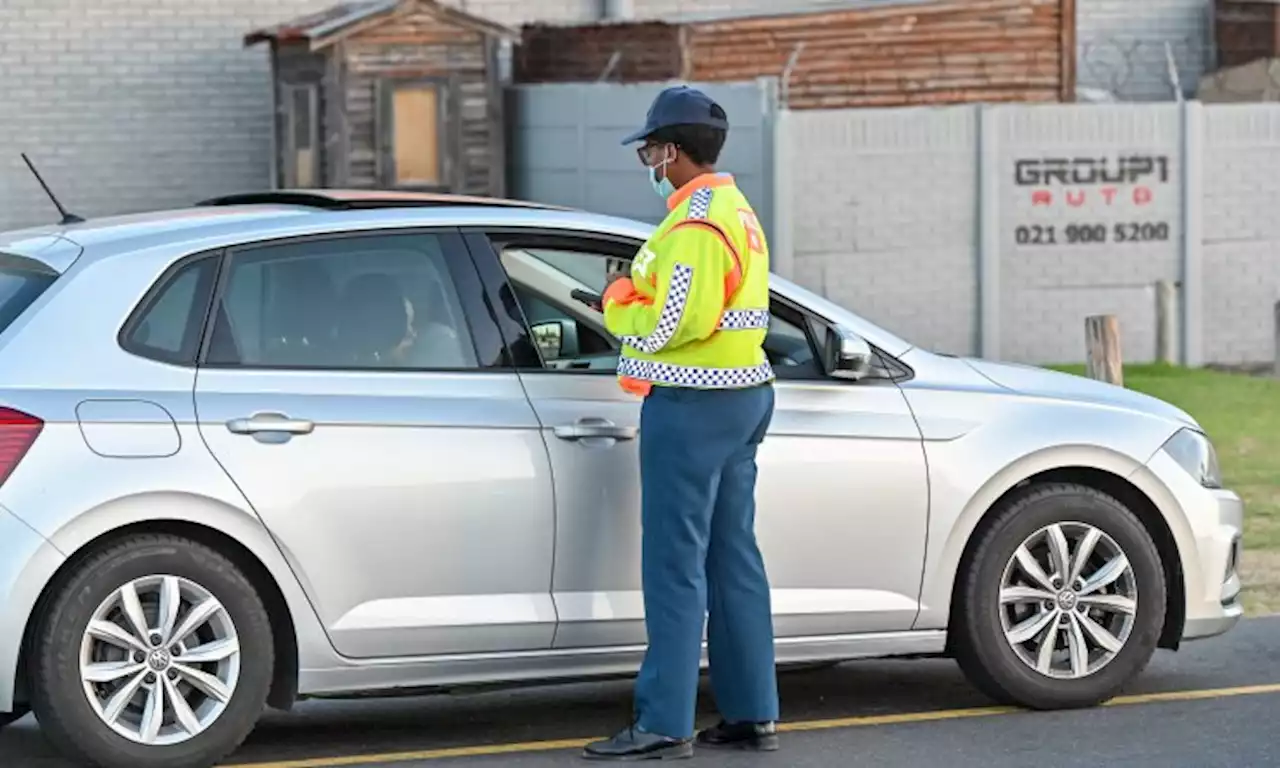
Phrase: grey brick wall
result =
(128, 105)
(1121, 45)
(1241, 232)
(884, 217)
(517, 12)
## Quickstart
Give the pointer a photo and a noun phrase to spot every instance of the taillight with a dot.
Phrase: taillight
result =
(18, 431)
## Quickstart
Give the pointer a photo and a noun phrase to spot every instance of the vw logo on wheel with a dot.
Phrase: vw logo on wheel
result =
(159, 660)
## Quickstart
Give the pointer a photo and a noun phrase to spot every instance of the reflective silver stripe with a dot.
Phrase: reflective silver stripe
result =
(744, 319)
(695, 376)
(672, 310)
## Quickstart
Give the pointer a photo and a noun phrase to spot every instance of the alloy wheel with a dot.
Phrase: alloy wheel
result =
(160, 660)
(1068, 600)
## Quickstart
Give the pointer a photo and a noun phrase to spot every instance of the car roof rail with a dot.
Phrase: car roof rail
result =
(350, 200)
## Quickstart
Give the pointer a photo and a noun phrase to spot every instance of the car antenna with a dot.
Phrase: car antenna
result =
(67, 218)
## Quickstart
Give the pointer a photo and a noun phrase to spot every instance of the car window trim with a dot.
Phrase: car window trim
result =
(153, 294)
(455, 253)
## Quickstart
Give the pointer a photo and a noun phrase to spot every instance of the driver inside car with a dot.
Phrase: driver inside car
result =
(381, 328)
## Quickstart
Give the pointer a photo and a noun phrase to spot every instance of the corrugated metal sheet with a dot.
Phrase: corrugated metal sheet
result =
(918, 52)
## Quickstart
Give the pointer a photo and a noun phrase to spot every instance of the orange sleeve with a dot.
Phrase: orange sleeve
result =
(621, 291)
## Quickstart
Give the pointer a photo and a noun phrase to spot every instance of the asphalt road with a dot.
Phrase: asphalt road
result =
(1212, 704)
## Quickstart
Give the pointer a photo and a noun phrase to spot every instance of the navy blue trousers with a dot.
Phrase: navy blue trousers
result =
(700, 560)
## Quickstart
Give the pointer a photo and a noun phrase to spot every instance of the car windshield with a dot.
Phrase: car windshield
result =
(21, 283)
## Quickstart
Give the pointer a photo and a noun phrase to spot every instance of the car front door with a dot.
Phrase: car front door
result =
(356, 389)
(842, 493)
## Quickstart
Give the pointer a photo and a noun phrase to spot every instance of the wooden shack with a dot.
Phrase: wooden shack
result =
(867, 53)
(388, 94)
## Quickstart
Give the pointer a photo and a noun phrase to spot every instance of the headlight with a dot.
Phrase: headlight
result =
(1194, 453)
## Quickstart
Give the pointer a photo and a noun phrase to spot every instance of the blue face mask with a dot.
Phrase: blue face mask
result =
(663, 187)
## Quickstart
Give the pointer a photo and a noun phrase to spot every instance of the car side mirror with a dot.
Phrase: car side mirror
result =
(848, 355)
(550, 336)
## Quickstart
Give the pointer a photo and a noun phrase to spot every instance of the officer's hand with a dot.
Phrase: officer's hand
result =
(613, 278)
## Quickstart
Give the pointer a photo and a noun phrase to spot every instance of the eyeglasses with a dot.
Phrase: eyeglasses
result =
(645, 152)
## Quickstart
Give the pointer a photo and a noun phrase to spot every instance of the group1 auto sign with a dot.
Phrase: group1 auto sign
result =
(1112, 200)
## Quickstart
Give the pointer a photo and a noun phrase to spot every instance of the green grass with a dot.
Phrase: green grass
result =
(1241, 414)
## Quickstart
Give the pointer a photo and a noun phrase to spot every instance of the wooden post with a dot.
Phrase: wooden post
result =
(1275, 366)
(1102, 344)
(1166, 322)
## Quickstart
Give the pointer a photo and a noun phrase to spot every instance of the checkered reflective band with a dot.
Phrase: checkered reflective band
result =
(700, 203)
(693, 376)
(745, 320)
(669, 319)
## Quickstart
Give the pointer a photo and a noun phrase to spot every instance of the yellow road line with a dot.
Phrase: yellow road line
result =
(489, 750)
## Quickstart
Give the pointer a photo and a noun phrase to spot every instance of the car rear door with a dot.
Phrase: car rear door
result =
(842, 493)
(355, 388)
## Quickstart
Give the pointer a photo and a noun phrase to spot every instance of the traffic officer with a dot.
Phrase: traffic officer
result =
(692, 318)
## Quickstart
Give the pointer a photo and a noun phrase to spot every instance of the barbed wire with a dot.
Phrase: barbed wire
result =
(1161, 68)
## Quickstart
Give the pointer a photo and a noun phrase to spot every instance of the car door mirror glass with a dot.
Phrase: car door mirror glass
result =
(550, 337)
(848, 355)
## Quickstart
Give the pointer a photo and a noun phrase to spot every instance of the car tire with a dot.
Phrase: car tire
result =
(212, 682)
(1103, 633)
(19, 712)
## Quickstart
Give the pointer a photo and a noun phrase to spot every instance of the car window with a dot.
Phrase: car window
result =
(586, 268)
(168, 323)
(569, 334)
(790, 347)
(572, 337)
(22, 281)
(384, 302)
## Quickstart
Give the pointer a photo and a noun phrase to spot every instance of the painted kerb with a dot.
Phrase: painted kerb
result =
(996, 230)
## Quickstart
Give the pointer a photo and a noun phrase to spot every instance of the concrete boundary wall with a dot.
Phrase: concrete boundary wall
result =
(995, 230)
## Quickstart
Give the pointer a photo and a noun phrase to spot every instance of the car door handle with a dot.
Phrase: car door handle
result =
(586, 428)
(270, 422)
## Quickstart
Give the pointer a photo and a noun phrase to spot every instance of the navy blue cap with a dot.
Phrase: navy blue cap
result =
(680, 105)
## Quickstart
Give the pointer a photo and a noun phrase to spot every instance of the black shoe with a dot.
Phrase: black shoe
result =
(762, 737)
(632, 743)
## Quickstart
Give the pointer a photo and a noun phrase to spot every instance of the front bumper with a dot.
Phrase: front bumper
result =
(26, 562)
(1220, 548)
(1209, 537)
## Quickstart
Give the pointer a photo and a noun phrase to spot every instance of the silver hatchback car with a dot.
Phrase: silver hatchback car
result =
(297, 444)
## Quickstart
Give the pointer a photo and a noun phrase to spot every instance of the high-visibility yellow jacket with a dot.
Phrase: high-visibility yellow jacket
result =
(695, 310)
